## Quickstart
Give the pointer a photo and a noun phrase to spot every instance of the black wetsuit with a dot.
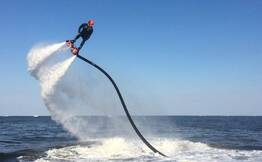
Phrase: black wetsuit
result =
(84, 31)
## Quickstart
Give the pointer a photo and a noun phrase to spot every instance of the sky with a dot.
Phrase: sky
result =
(194, 57)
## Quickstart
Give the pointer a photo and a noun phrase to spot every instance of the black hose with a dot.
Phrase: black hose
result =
(123, 104)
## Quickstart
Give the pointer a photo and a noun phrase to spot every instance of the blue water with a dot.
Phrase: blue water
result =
(182, 138)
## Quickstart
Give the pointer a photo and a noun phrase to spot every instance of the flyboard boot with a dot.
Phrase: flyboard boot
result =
(70, 44)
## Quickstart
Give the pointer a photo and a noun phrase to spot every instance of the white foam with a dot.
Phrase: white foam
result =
(120, 149)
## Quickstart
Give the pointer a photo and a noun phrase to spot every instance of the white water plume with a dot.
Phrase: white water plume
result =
(48, 66)
(66, 94)
(40, 53)
(48, 73)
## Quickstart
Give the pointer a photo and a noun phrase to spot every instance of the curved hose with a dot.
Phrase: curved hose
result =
(123, 104)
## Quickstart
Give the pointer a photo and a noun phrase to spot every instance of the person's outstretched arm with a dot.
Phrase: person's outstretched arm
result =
(80, 28)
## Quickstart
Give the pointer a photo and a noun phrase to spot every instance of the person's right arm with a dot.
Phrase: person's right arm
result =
(80, 28)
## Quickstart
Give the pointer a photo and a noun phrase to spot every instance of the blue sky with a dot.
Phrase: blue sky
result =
(199, 57)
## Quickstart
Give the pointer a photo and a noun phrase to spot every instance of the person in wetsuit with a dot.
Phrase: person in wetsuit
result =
(85, 30)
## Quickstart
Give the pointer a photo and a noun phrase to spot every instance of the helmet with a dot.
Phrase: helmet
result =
(91, 22)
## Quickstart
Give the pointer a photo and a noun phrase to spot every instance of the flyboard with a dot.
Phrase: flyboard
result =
(75, 51)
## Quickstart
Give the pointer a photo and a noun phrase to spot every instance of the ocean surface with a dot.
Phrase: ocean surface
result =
(181, 138)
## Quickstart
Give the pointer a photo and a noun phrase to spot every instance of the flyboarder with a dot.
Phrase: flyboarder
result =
(85, 30)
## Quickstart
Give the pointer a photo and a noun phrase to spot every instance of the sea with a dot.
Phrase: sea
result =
(109, 138)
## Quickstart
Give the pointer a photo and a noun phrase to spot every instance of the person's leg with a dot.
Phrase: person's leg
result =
(78, 36)
(82, 43)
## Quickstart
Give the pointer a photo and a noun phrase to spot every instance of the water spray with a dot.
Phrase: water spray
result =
(49, 74)
(123, 104)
